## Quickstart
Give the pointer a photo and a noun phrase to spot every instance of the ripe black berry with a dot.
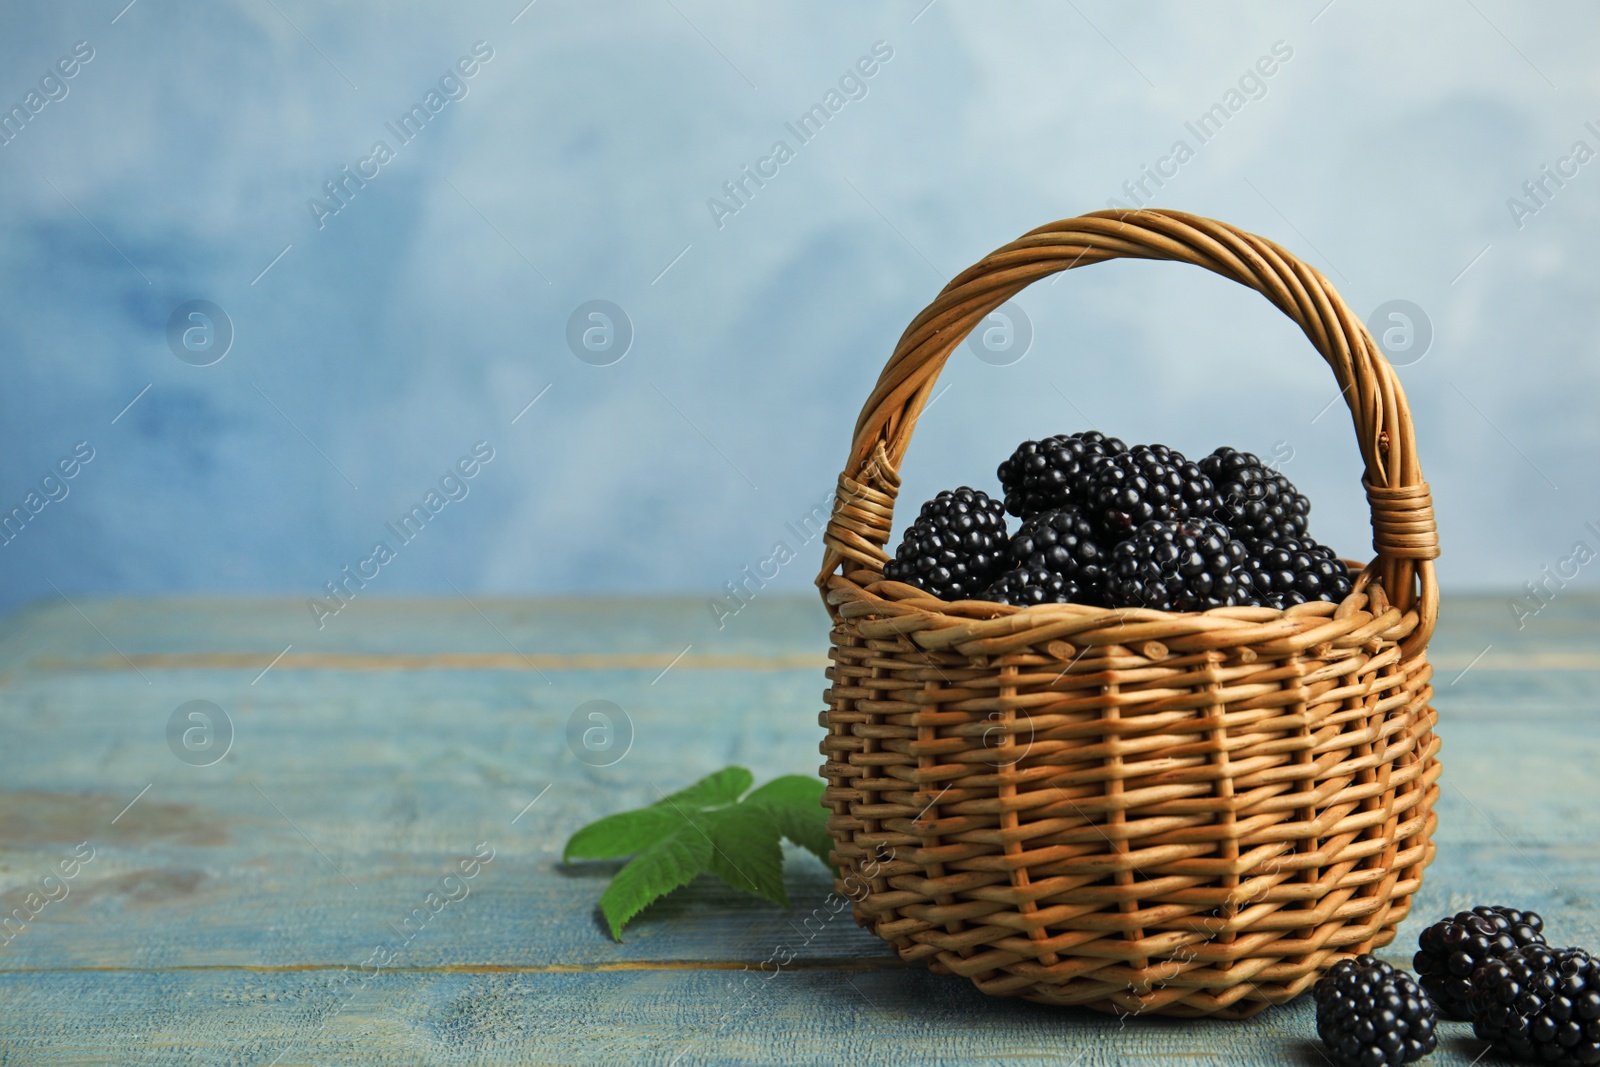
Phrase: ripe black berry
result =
(1256, 501)
(1034, 585)
(1148, 482)
(1063, 542)
(956, 547)
(1371, 1015)
(1452, 948)
(1295, 571)
(1042, 475)
(1540, 1003)
(1176, 566)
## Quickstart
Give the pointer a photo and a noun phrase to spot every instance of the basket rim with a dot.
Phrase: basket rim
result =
(1405, 534)
(982, 627)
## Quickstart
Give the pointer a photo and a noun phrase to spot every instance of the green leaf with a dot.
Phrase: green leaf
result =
(652, 874)
(622, 834)
(705, 828)
(712, 791)
(745, 852)
(795, 801)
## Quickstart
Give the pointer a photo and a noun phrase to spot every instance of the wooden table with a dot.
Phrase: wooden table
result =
(273, 906)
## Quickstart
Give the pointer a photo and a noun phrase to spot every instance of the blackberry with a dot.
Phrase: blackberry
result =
(1256, 500)
(956, 547)
(1043, 475)
(1296, 505)
(1452, 948)
(1540, 1003)
(1371, 1015)
(1034, 585)
(1148, 482)
(1295, 571)
(1062, 542)
(1176, 566)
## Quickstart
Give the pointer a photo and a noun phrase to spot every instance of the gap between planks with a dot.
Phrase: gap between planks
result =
(510, 661)
(435, 661)
(842, 963)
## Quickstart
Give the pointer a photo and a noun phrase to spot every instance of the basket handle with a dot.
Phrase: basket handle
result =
(1404, 535)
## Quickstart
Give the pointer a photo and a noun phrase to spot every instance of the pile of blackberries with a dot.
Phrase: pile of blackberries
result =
(1490, 966)
(1112, 526)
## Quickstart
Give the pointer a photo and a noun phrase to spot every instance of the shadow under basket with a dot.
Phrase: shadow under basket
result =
(1135, 811)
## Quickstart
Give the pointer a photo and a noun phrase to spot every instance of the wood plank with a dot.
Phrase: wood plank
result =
(663, 1017)
(435, 661)
(769, 624)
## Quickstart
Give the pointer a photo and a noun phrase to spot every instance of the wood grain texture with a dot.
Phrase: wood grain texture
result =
(216, 922)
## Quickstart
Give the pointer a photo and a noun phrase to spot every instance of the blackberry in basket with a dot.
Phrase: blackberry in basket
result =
(1371, 1015)
(1148, 482)
(1540, 1003)
(1048, 474)
(1177, 566)
(1063, 542)
(1027, 585)
(956, 547)
(1295, 571)
(1452, 948)
(1256, 500)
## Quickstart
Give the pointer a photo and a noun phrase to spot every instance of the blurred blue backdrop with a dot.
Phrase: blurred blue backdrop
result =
(383, 327)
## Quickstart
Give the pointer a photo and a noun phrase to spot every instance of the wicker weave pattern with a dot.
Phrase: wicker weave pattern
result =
(1137, 811)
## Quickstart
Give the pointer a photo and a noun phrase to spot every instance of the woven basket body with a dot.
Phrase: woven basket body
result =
(1132, 810)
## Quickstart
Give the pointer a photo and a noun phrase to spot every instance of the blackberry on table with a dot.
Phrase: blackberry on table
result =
(1371, 1015)
(1062, 542)
(1452, 948)
(1178, 566)
(1027, 585)
(1295, 571)
(956, 547)
(1540, 1003)
(1148, 482)
(1256, 500)
(1047, 474)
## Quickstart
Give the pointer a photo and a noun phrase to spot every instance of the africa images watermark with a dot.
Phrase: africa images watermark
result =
(856, 885)
(51, 888)
(53, 88)
(1214, 924)
(753, 578)
(453, 86)
(1539, 190)
(453, 486)
(53, 487)
(1252, 85)
(1540, 594)
(852, 85)
(449, 889)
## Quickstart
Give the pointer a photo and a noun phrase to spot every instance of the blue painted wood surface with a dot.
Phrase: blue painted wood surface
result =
(226, 915)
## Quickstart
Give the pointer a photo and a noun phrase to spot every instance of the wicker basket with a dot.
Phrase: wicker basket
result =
(1132, 810)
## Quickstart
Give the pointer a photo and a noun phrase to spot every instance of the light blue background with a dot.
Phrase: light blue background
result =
(426, 314)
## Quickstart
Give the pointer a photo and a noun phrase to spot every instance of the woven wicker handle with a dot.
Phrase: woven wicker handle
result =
(1403, 532)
